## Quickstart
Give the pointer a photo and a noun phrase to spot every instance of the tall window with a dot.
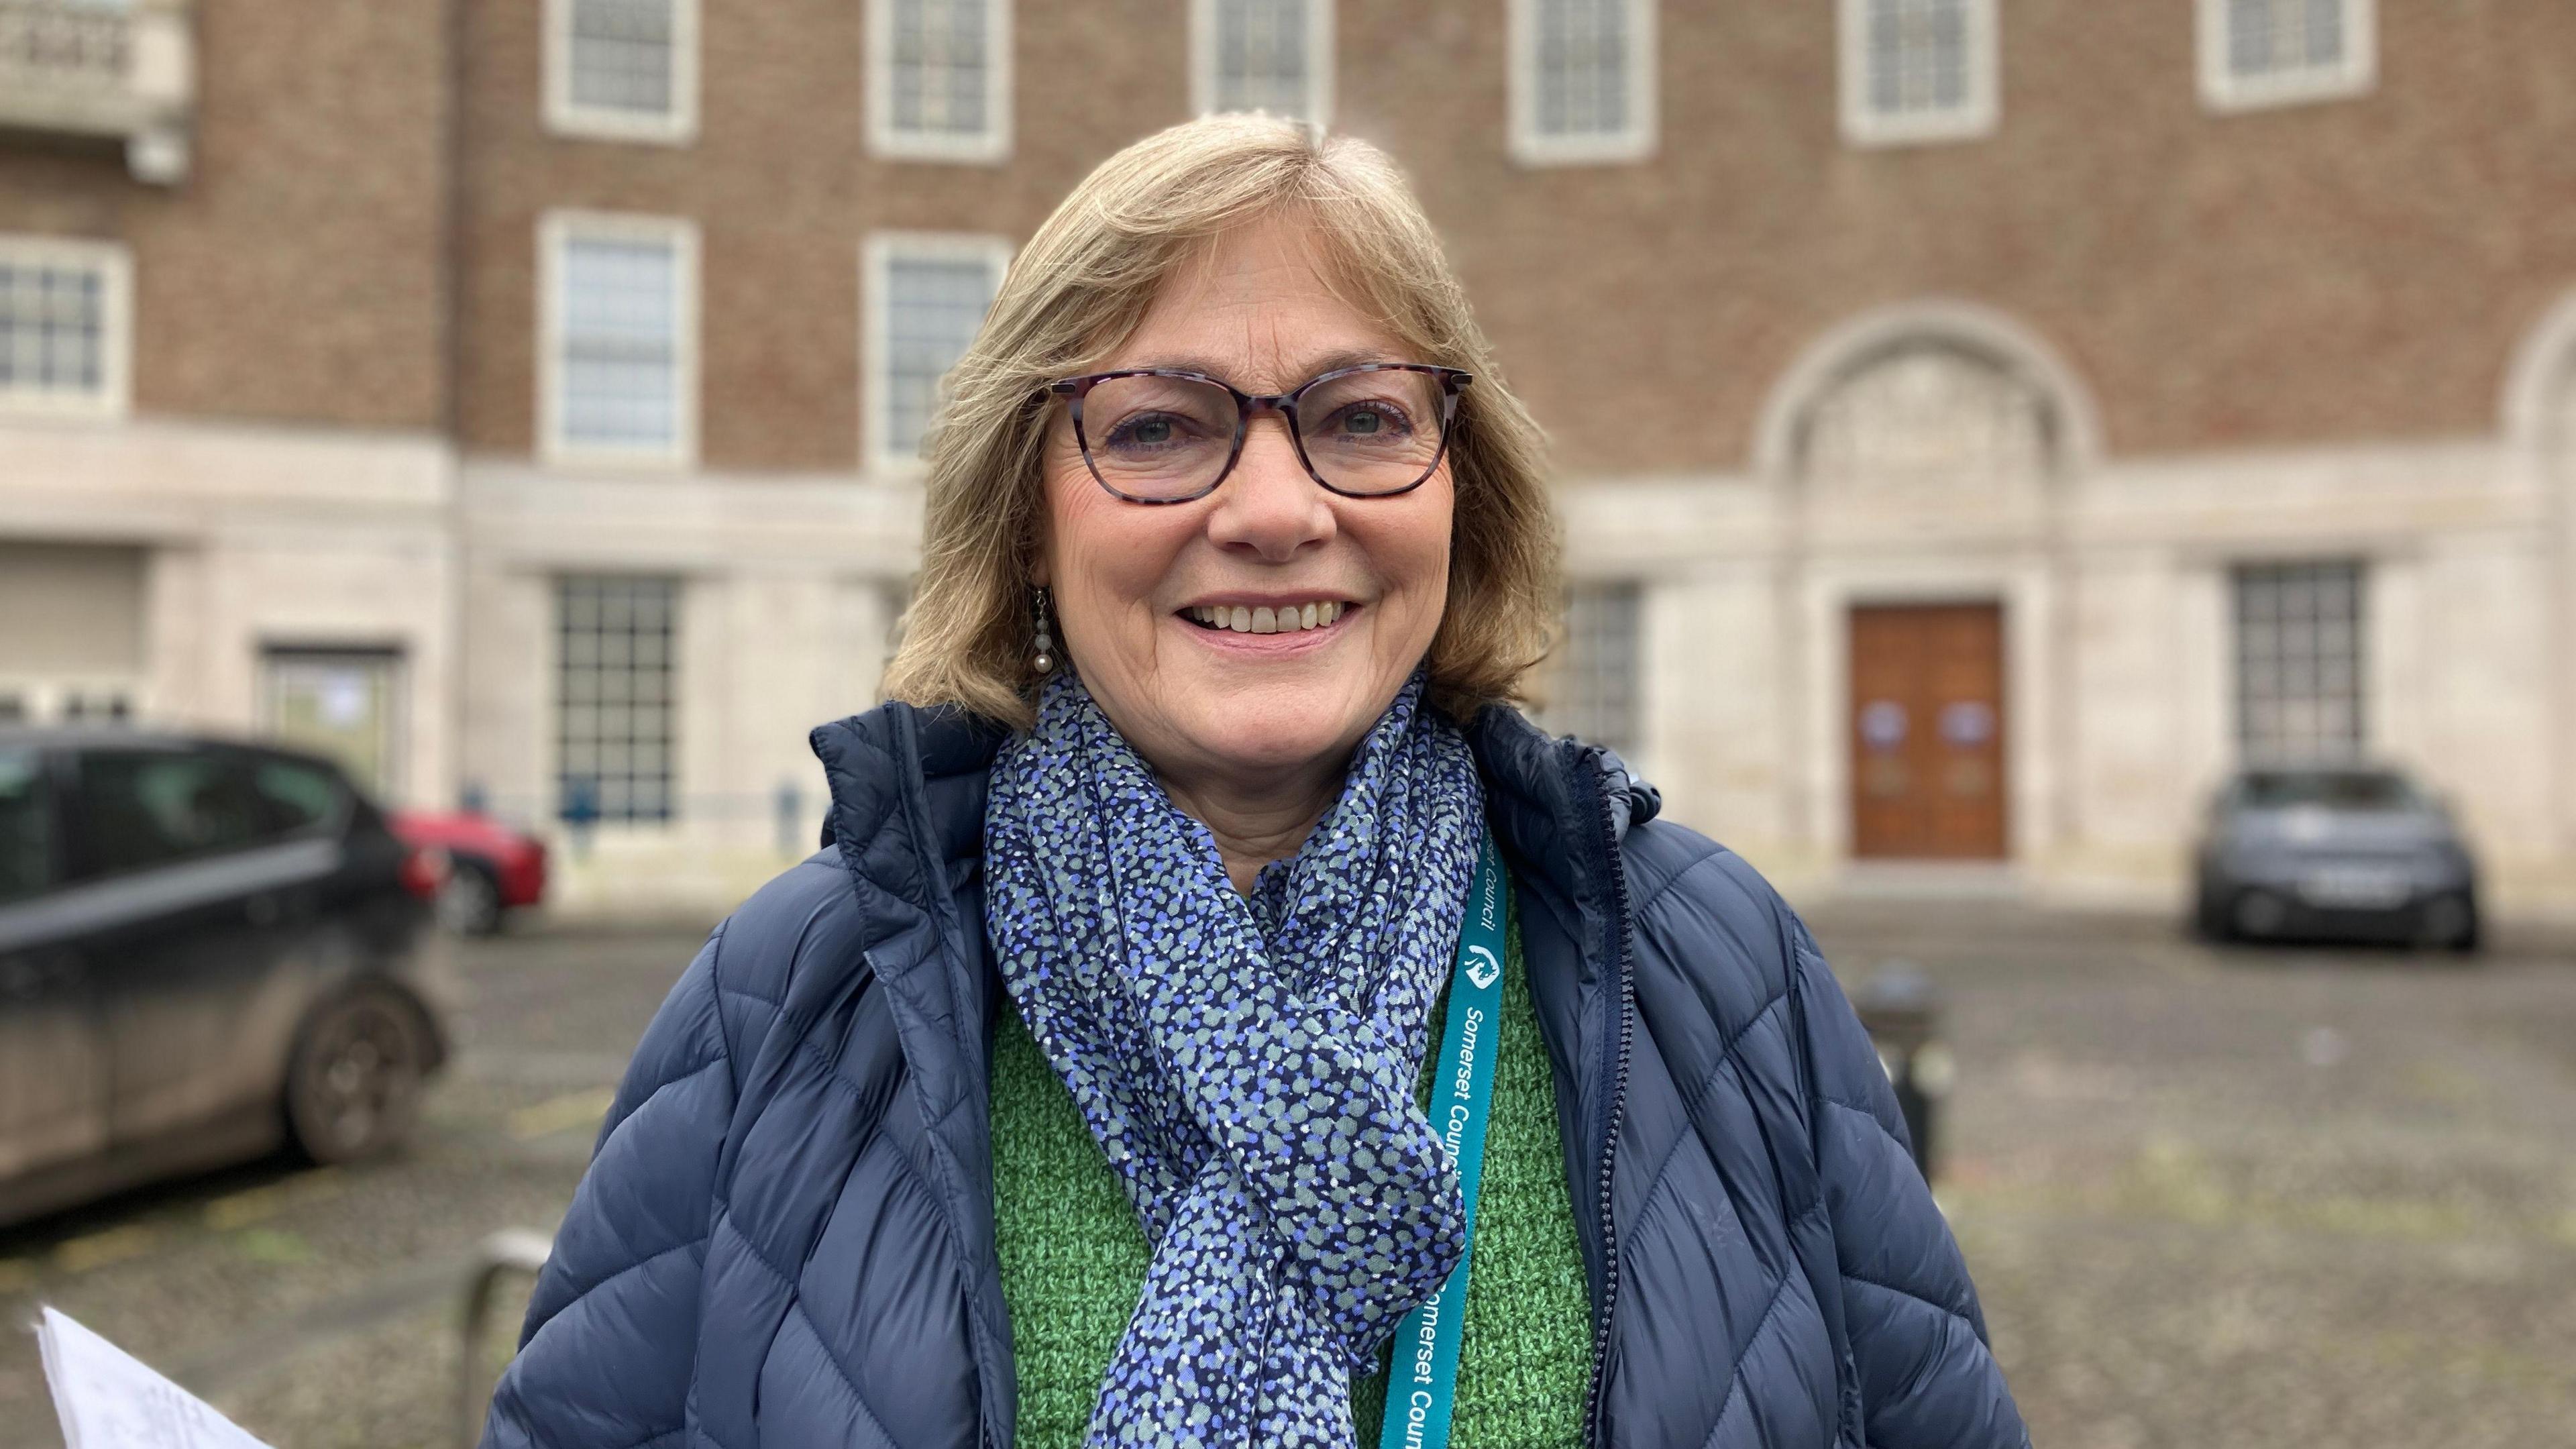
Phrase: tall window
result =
(615, 647)
(2277, 52)
(939, 79)
(1594, 688)
(927, 295)
(622, 69)
(620, 371)
(1263, 55)
(2299, 661)
(1582, 80)
(65, 332)
(1917, 70)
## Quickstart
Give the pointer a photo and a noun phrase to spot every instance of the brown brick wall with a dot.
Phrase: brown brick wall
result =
(2335, 272)
(2348, 270)
(784, 191)
(2341, 271)
(296, 274)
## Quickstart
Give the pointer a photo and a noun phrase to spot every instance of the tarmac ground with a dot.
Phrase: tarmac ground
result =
(2211, 1197)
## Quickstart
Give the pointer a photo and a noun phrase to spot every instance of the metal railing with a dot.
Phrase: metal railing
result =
(54, 45)
(511, 1250)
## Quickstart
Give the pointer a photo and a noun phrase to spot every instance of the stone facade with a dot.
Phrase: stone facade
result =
(2085, 364)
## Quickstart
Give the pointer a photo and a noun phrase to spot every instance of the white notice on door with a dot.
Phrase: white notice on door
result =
(110, 1399)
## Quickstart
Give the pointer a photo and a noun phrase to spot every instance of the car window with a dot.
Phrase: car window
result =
(141, 808)
(299, 796)
(2329, 789)
(26, 826)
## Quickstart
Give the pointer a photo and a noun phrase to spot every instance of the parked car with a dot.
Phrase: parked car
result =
(207, 950)
(491, 868)
(2329, 850)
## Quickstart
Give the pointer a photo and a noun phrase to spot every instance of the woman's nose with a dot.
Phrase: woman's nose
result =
(1269, 504)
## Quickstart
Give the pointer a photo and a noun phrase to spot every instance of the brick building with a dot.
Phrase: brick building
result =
(1979, 424)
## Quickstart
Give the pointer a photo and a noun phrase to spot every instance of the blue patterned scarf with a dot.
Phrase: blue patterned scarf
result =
(1247, 1064)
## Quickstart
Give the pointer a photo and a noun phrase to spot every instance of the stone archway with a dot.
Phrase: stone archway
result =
(2008, 392)
(2539, 426)
(1920, 454)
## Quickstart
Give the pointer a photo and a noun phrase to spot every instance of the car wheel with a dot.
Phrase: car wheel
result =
(469, 900)
(2448, 923)
(2209, 919)
(354, 1084)
(2257, 914)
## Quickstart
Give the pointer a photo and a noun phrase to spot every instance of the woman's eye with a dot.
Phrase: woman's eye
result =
(1149, 430)
(1368, 421)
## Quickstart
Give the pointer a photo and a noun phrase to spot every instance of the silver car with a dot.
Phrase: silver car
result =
(2334, 850)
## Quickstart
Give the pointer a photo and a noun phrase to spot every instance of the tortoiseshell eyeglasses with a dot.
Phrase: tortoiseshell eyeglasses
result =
(1161, 435)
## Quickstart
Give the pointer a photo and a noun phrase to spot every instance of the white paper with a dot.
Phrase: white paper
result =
(109, 1399)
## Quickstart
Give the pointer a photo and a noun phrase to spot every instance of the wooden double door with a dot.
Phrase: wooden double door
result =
(1927, 731)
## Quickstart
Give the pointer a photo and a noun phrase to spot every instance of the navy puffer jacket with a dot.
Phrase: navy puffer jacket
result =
(786, 1235)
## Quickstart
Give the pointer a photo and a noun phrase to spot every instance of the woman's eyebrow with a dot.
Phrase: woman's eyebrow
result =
(1225, 371)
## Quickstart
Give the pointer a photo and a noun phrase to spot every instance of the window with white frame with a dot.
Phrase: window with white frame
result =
(616, 663)
(2279, 52)
(622, 69)
(939, 79)
(1274, 56)
(66, 328)
(926, 297)
(1582, 80)
(1917, 70)
(1594, 689)
(2299, 675)
(619, 370)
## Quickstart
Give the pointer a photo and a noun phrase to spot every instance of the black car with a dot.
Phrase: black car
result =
(207, 950)
(2335, 850)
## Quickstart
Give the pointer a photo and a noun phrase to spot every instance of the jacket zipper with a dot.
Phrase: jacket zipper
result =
(1618, 1111)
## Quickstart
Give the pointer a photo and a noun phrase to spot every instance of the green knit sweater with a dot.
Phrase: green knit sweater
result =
(1073, 1258)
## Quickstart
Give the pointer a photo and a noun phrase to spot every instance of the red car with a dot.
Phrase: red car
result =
(491, 868)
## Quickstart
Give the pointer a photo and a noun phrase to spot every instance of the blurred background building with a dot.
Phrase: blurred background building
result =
(1980, 424)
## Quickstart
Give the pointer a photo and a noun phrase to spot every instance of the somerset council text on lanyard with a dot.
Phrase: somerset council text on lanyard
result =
(1422, 1383)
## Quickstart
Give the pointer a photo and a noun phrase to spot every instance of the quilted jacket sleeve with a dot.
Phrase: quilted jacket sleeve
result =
(605, 1356)
(1918, 1339)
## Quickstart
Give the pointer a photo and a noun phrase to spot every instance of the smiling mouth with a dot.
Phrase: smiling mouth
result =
(1237, 619)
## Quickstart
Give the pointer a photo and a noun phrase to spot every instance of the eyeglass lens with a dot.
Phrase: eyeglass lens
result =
(1159, 438)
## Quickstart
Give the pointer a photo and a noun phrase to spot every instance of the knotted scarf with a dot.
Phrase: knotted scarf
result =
(1246, 1063)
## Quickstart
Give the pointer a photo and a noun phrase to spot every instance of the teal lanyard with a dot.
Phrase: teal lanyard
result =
(1422, 1382)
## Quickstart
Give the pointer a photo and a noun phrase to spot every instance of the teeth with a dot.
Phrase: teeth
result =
(1267, 620)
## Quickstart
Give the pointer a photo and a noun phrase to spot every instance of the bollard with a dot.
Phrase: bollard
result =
(789, 806)
(511, 1250)
(1901, 1010)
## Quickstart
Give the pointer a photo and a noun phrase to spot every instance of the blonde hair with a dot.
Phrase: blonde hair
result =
(1081, 287)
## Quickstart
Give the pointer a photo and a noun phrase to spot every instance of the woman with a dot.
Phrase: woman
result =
(1082, 1088)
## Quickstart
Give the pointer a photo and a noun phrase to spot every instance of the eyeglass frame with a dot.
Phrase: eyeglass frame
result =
(1246, 405)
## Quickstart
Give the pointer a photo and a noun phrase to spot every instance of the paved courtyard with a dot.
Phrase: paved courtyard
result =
(2211, 1198)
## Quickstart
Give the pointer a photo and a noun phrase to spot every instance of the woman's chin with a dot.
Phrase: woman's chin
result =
(1279, 726)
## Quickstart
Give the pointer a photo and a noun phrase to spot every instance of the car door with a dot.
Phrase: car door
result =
(206, 896)
(53, 1081)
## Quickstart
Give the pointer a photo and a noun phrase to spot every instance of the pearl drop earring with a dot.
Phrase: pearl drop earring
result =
(1044, 661)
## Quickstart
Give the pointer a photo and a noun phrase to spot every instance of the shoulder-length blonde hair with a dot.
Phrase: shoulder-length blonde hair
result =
(1081, 287)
